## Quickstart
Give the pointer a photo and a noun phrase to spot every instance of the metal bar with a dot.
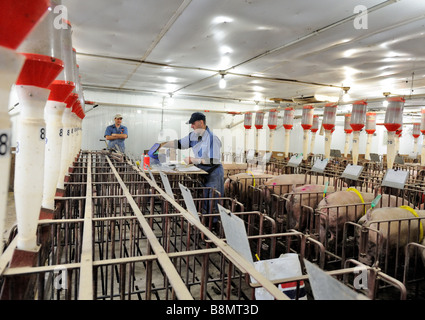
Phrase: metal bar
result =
(177, 283)
(86, 270)
(228, 251)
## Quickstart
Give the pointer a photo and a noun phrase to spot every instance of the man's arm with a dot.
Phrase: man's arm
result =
(114, 136)
(170, 144)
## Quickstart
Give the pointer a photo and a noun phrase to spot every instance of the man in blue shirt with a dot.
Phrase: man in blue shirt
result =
(206, 147)
(116, 134)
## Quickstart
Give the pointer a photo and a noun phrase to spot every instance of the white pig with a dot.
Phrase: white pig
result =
(306, 195)
(340, 207)
(397, 227)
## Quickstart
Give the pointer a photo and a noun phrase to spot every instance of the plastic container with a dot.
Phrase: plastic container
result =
(307, 117)
(18, 18)
(60, 90)
(272, 121)
(347, 121)
(67, 54)
(370, 122)
(288, 118)
(329, 116)
(247, 121)
(146, 162)
(358, 115)
(39, 70)
(394, 114)
(46, 37)
(315, 126)
(259, 119)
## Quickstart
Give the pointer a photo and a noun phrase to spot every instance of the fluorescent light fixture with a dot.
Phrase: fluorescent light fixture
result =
(222, 82)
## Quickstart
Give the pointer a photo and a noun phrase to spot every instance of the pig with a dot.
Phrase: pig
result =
(396, 233)
(306, 195)
(342, 209)
(281, 184)
(236, 186)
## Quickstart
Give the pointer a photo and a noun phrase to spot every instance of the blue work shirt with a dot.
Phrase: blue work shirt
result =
(117, 142)
(207, 146)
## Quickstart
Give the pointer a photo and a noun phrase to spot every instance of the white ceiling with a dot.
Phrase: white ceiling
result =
(268, 48)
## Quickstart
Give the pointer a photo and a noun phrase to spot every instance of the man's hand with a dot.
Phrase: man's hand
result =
(189, 160)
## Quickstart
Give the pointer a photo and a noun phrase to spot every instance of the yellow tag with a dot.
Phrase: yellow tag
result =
(252, 177)
(360, 196)
(421, 229)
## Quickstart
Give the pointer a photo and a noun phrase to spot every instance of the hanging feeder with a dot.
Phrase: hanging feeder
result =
(314, 129)
(288, 123)
(358, 119)
(370, 130)
(306, 123)
(393, 122)
(328, 123)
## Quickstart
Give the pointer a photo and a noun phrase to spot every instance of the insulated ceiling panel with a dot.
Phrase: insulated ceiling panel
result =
(179, 46)
(118, 28)
(163, 79)
(223, 33)
(104, 72)
(370, 61)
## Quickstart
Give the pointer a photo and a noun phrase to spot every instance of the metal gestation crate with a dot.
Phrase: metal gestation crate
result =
(402, 257)
(118, 235)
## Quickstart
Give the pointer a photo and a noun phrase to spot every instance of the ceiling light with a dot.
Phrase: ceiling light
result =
(345, 89)
(222, 82)
(222, 19)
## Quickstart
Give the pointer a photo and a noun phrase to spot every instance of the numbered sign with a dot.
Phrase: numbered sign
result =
(395, 179)
(320, 165)
(188, 200)
(166, 184)
(151, 175)
(4, 143)
(295, 160)
(352, 172)
(235, 233)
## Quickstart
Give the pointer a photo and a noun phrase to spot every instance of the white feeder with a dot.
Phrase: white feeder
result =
(60, 90)
(397, 140)
(347, 130)
(17, 22)
(393, 121)
(306, 123)
(38, 72)
(288, 123)
(36, 75)
(313, 130)
(272, 124)
(358, 119)
(370, 130)
(247, 123)
(328, 123)
(66, 143)
(416, 133)
(423, 133)
(259, 119)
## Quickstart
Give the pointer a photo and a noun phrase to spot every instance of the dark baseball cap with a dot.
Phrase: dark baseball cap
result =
(195, 117)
